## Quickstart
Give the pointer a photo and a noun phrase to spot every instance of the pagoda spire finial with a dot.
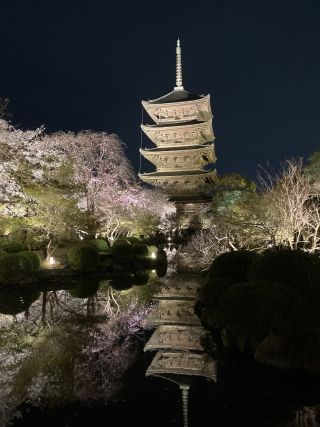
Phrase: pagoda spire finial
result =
(178, 67)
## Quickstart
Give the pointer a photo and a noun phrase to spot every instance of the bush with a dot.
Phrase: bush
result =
(86, 287)
(13, 302)
(121, 281)
(297, 269)
(2, 253)
(34, 258)
(211, 291)
(141, 251)
(256, 309)
(14, 267)
(232, 265)
(122, 253)
(100, 244)
(121, 240)
(133, 240)
(84, 257)
(11, 248)
(162, 263)
(140, 278)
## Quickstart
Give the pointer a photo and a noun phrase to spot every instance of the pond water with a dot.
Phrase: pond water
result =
(74, 354)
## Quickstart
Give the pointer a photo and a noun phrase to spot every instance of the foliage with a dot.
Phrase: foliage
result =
(15, 266)
(121, 280)
(11, 247)
(212, 290)
(141, 250)
(84, 257)
(312, 170)
(123, 253)
(2, 253)
(140, 278)
(61, 186)
(275, 292)
(110, 352)
(232, 265)
(14, 302)
(297, 269)
(121, 240)
(34, 258)
(133, 240)
(100, 244)
(255, 309)
(86, 287)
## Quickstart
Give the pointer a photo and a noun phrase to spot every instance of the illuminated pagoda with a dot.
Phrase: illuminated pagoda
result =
(183, 137)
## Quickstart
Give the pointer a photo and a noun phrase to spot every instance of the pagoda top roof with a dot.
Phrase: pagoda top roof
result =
(177, 95)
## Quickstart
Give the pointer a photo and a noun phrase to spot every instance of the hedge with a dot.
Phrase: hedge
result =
(140, 278)
(15, 266)
(256, 309)
(84, 257)
(34, 258)
(86, 287)
(100, 244)
(133, 240)
(16, 302)
(122, 253)
(121, 240)
(296, 268)
(2, 253)
(232, 265)
(13, 247)
(121, 281)
(141, 251)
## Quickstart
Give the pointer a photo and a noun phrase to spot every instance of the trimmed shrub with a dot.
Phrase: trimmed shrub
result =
(100, 244)
(297, 269)
(87, 287)
(84, 257)
(141, 251)
(211, 291)
(121, 240)
(140, 278)
(16, 302)
(123, 253)
(133, 240)
(161, 270)
(162, 263)
(2, 253)
(121, 281)
(255, 309)
(14, 266)
(34, 258)
(11, 248)
(232, 265)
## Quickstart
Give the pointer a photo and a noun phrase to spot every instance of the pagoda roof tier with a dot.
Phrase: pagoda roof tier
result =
(174, 149)
(176, 338)
(174, 183)
(174, 174)
(188, 133)
(169, 109)
(172, 312)
(182, 363)
(190, 158)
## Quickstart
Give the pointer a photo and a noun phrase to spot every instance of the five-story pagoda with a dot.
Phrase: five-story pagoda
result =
(183, 136)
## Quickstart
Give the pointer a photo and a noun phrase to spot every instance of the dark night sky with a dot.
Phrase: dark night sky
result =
(87, 64)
